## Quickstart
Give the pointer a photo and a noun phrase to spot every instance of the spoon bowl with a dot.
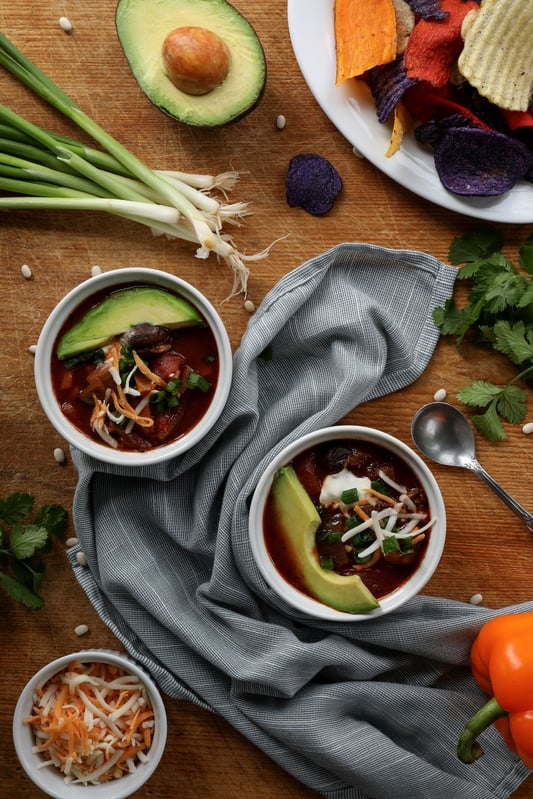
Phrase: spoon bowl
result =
(443, 434)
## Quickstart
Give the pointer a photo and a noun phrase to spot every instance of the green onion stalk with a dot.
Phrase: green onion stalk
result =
(41, 169)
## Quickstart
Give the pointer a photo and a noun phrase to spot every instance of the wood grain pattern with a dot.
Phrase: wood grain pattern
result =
(488, 550)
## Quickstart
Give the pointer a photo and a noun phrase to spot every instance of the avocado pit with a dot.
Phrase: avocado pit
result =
(196, 59)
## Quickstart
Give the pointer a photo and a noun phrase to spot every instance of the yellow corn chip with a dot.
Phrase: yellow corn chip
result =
(402, 122)
(497, 58)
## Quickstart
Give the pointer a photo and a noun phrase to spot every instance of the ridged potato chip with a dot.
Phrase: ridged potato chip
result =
(497, 57)
(405, 22)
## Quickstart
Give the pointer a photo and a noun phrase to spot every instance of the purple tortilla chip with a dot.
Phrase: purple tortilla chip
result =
(475, 162)
(387, 83)
(312, 183)
(428, 9)
(431, 132)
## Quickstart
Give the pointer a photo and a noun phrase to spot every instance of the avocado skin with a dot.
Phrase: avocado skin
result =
(299, 520)
(120, 311)
(142, 45)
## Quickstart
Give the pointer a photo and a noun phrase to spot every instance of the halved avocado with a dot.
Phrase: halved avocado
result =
(299, 521)
(142, 28)
(120, 311)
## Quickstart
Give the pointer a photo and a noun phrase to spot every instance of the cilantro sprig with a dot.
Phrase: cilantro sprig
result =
(498, 315)
(24, 536)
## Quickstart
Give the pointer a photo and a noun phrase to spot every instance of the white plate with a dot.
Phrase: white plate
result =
(351, 109)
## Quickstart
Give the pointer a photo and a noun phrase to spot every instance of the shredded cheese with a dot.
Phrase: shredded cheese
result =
(93, 721)
(392, 483)
(384, 523)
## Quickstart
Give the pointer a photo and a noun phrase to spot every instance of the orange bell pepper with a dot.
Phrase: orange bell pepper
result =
(502, 665)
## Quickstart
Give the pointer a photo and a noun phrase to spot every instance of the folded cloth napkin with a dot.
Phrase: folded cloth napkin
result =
(369, 709)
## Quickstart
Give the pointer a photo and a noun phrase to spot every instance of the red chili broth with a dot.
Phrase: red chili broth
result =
(196, 344)
(382, 578)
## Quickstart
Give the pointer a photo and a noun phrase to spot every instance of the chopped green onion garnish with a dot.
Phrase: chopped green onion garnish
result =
(350, 496)
(352, 521)
(173, 385)
(326, 563)
(196, 380)
(157, 396)
(390, 544)
(381, 487)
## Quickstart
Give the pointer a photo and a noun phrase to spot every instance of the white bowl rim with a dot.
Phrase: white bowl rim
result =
(68, 303)
(306, 604)
(49, 778)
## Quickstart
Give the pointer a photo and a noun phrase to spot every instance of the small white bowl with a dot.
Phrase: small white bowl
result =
(306, 604)
(45, 348)
(49, 778)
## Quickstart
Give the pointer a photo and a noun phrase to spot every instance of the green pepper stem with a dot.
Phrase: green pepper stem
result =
(468, 749)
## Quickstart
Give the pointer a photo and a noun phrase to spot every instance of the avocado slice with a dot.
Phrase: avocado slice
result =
(121, 310)
(142, 28)
(299, 520)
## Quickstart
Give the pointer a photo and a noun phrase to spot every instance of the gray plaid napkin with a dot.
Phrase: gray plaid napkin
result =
(369, 709)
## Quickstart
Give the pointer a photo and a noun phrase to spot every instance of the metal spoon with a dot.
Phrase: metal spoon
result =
(443, 434)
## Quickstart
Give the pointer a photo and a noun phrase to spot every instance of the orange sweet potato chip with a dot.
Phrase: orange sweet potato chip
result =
(365, 35)
(434, 44)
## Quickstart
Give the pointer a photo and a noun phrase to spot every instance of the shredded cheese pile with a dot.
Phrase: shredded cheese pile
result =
(93, 721)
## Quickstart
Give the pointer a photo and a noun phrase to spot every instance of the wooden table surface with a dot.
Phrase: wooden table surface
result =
(488, 550)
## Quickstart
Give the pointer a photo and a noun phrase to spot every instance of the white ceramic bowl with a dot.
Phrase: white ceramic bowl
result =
(45, 346)
(306, 604)
(49, 778)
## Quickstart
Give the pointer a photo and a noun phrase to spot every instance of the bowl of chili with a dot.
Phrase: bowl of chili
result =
(90, 723)
(347, 523)
(133, 366)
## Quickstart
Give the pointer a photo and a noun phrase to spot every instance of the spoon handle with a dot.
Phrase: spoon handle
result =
(515, 506)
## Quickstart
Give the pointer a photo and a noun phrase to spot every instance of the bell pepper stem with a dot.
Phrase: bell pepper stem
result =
(468, 748)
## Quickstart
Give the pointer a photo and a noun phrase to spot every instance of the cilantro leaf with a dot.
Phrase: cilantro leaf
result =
(475, 246)
(513, 340)
(512, 404)
(505, 291)
(20, 592)
(526, 300)
(29, 572)
(489, 424)
(455, 321)
(485, 266)
(22, 542)
(53, 517)
(26, 539)
(479, 393)
(526, 256)
(15, 507)
(498, 316)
